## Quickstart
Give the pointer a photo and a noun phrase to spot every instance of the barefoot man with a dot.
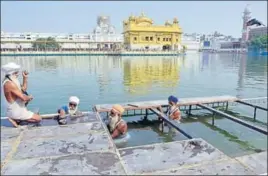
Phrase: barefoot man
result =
(15, 98)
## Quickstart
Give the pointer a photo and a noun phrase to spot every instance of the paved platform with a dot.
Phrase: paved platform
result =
(87, 149)
(256, 162)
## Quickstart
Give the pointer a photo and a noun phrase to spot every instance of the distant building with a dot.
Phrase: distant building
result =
(220, 42)
(104, 36)
(140, 33)
(191, 41)
(246, 17)
(257, 32)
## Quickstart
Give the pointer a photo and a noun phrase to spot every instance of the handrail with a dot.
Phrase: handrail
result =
(254, 106)
(170, 122)
(237, 120)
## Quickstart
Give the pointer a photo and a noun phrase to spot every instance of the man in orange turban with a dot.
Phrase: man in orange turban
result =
(117, 125)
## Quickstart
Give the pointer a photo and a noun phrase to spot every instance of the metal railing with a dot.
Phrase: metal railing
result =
(235, 119)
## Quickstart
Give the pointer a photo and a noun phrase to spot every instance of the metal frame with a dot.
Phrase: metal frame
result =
(170, 122)
(146, 112)
(237, 120)
(254, 106)
(189, 107)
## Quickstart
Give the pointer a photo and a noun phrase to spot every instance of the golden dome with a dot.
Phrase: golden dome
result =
(143, 18)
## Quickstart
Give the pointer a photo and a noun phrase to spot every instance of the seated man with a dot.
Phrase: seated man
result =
(71, 109)
(15, 95)
(117, 125)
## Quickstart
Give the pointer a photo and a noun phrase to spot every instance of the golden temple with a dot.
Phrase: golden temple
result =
(140, 33)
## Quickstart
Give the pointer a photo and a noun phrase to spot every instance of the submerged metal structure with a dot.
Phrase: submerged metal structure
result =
(85, 147)
(189, 104)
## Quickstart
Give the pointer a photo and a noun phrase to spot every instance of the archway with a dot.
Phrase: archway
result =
(166, 47)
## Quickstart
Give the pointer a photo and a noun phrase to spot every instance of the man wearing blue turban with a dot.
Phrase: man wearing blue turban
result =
(173, 113)
(173, 110)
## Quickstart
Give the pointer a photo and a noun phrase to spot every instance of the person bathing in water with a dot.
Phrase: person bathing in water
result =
(117, 126)
(71, 109)
(173, 111)
(16, 95)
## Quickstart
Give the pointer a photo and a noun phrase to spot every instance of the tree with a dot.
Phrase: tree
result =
(46, 43)
(259, 43)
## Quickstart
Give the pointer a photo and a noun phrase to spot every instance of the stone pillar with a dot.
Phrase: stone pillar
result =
(173, 41)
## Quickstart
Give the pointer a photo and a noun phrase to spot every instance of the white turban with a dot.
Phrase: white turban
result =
(74, 99)
(10, 68)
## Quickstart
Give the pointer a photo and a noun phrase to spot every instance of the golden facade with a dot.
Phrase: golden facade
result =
(140, 33)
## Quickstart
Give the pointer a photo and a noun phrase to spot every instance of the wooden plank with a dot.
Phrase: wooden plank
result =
(237, 120)
(157, 103)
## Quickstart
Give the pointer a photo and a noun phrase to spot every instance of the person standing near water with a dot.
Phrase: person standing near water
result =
(16, 95)
(117, 126)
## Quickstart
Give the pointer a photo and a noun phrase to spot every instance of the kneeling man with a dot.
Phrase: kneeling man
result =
(15, 96)
(117, 125)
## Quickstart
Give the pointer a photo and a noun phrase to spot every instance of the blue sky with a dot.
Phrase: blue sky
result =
(80, 17)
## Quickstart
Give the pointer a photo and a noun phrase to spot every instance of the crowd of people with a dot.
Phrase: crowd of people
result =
(17, 99)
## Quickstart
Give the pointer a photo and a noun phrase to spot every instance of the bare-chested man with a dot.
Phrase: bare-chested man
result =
(15, 98)
(117, 125)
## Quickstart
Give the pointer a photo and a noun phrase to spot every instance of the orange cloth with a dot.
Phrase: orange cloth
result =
(176, 115)
(118, 108)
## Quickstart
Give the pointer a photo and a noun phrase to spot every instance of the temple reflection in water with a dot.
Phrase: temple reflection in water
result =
(143, 74)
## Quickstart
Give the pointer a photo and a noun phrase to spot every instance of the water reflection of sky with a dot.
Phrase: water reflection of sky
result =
(100, 79)
(205, 60)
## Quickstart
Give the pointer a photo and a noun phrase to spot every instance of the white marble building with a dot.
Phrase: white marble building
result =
(103, 36)
(191, 41)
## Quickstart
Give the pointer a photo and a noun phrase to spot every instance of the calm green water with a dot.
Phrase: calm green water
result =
(99, 80)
